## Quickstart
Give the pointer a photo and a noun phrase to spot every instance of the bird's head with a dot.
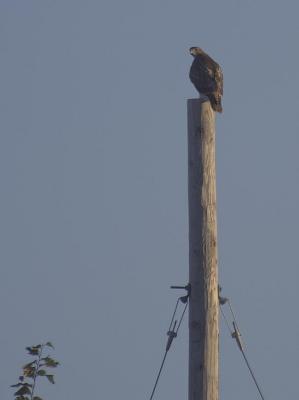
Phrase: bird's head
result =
(195, 51)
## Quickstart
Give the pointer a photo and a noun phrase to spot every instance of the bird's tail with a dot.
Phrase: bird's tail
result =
(215, 100)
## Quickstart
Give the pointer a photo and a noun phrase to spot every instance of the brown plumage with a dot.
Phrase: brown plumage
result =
(206, 75)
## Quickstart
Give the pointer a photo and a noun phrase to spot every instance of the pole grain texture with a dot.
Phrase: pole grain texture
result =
(203, 268)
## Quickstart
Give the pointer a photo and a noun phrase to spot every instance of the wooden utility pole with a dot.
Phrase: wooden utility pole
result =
(203, 270)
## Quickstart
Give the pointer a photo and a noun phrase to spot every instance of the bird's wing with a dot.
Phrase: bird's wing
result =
(215, 73)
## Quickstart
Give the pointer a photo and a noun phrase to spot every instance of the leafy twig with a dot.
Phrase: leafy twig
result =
(33, 370)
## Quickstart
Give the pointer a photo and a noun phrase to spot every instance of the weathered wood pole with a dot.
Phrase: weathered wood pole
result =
(203, 269)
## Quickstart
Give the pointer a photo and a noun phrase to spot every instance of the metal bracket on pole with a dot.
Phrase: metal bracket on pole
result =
(183, 299)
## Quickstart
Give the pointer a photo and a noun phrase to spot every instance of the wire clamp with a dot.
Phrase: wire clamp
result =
(172, 333)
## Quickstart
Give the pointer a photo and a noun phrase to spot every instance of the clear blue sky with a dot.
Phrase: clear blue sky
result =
(93, 174)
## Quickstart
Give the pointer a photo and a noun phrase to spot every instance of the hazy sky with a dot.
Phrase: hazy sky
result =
(93, 164)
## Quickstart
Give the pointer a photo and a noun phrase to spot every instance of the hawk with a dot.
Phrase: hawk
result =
(206, 75)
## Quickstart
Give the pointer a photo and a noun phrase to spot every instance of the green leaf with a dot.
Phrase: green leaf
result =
(29, 365)
(50, 378)
(41, 372)
(24, 390)
(33, 350)
(21, 384)
(49, 344)
(16, 385)
(50, 362)
(29, 371)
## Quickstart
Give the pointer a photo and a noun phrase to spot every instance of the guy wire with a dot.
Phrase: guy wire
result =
(172, 333)
(235, 334)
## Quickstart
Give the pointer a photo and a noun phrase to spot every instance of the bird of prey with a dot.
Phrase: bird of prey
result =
(206, 75)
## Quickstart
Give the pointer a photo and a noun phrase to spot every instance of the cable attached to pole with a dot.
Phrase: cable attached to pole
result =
(235, 334)
(173, 329)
